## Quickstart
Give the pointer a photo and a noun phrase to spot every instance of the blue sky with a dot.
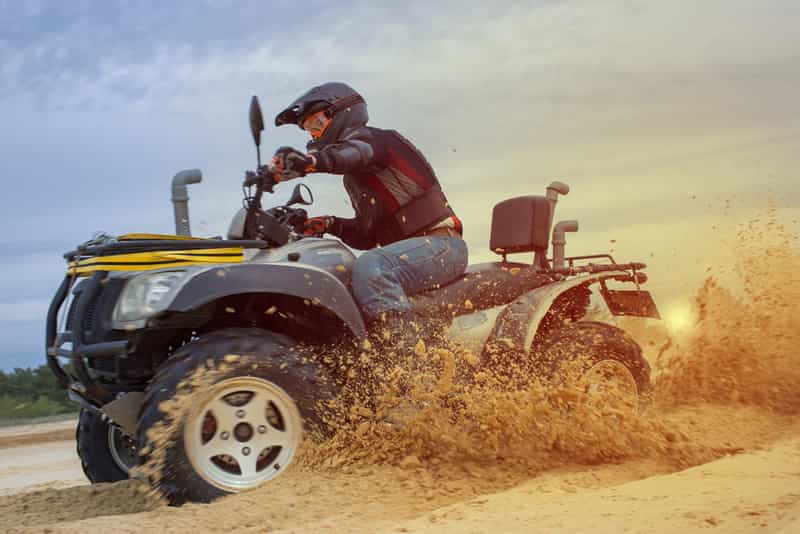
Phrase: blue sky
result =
(640, 105)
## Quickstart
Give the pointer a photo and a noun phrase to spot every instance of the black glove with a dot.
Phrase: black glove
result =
(261, 176)
(289, 163)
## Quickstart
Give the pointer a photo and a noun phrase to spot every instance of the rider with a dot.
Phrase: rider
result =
(401, 214)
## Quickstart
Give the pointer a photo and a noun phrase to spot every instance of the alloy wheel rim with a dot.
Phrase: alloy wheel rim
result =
(122, 449)
(245, 431)
(611, 382)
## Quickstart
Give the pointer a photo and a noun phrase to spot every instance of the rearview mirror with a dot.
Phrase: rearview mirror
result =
(256, 120)
(301, 195)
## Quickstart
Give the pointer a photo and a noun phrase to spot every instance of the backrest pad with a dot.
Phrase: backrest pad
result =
(520, 224)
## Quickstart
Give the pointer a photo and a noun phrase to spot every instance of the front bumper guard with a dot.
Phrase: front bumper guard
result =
(79, 380)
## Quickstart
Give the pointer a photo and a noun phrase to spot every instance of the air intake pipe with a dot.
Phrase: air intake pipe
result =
(553, 190)
(180, 198)
(560, 239)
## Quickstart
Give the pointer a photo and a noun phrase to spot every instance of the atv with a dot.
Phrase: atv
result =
(136, 317)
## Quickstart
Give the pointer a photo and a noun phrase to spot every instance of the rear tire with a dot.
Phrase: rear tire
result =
(593, 344)
(240, 427)
(107, 453)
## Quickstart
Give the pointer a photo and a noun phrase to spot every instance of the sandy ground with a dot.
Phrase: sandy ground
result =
(753, 492)
(12, 436)
(754, 486)
(37, 457)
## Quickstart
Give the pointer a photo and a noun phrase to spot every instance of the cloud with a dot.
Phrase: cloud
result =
(636, 104)
(23, 311)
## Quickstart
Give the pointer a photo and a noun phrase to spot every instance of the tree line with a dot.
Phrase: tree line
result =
(28, 393)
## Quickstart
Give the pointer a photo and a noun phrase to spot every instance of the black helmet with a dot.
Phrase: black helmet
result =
(346, 107)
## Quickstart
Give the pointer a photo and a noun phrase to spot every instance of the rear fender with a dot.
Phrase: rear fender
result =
(519, 322)
(297, 280)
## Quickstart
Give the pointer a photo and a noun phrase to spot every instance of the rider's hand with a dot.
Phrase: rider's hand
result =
(289, 163)
(262, 176)
(317, 225)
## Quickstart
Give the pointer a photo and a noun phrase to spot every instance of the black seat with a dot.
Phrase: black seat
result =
(483, 286)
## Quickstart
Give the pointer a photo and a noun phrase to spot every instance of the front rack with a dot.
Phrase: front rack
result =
(150, 245)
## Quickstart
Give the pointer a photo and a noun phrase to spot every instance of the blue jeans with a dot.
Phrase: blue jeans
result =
(382, 277)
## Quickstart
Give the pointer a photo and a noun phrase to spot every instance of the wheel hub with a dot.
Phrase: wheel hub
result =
(244, 432)
(122, 448)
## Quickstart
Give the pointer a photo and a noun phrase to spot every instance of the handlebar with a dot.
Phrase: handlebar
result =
(278, 224)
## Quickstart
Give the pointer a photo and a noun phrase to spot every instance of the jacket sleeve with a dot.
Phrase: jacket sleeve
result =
(354, 233)
(354, 154)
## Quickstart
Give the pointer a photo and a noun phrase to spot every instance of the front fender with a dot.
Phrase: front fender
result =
(521, 319)
(298, 280)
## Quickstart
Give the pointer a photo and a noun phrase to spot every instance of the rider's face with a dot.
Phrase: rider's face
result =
(316, 124)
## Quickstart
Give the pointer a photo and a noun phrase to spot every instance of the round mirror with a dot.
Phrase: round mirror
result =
(301, 195)
(256, 120)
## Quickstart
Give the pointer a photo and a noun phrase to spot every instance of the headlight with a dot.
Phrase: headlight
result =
(146, 295)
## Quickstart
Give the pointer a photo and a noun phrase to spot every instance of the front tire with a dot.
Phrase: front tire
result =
(240, 426)
(107, 453)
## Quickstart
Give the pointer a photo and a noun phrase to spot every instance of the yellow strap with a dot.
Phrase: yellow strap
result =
(93, 268)
(148, 261)
(199, 255)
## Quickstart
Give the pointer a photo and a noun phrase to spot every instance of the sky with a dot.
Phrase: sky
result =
(671, 121)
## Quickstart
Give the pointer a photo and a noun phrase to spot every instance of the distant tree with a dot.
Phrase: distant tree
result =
(32, 393)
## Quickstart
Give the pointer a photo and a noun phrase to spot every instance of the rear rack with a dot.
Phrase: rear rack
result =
(571, 260)
(600, 268)
(572, 269)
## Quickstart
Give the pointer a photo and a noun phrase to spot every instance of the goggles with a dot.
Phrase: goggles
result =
(316, 123)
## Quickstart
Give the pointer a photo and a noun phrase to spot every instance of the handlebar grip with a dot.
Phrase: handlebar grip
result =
(262, 177)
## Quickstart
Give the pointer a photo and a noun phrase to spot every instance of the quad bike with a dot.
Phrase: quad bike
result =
(138, 315)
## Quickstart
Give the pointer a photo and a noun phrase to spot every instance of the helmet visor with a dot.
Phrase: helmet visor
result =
(316, 123)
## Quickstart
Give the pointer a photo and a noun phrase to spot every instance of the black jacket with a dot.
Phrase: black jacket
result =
(393, 189)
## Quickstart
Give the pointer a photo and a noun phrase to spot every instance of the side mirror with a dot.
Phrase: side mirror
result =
(301, 195)
(256, 120)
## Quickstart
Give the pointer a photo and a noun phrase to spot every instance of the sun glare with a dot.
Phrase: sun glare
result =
(678, 318)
